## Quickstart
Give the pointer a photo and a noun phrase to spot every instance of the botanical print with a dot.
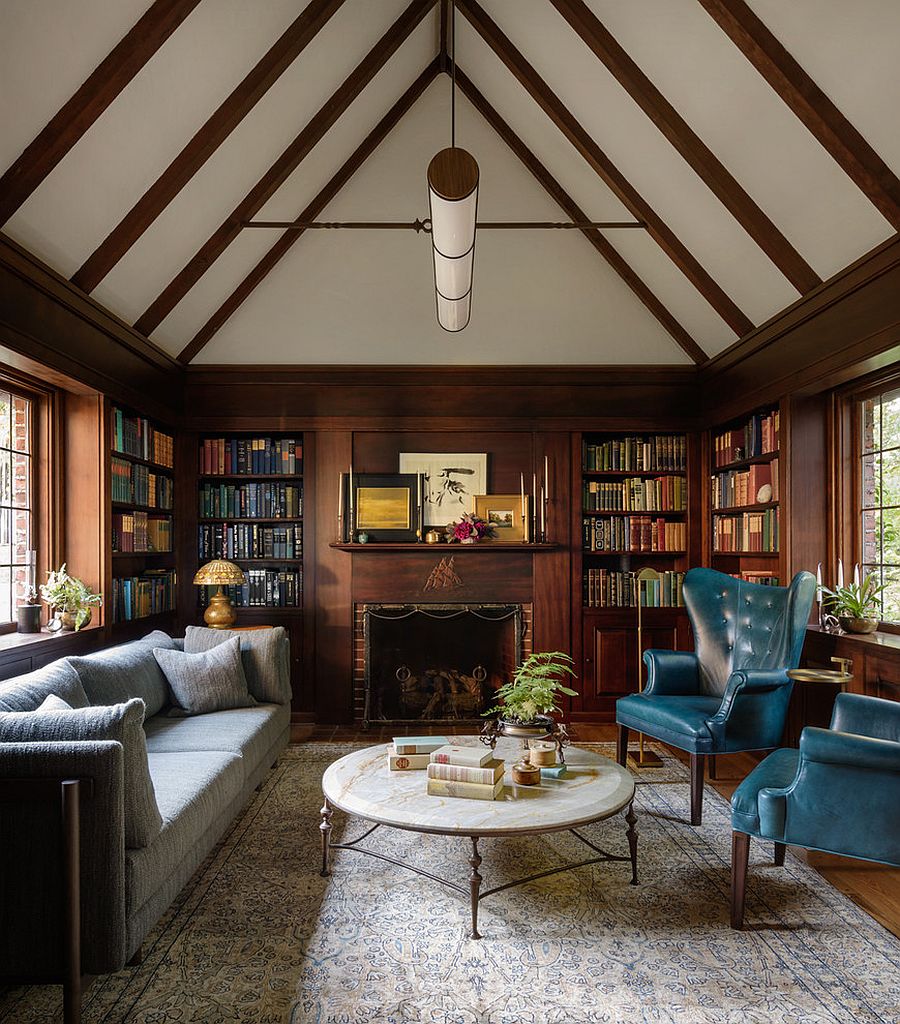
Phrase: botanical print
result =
(450, 482)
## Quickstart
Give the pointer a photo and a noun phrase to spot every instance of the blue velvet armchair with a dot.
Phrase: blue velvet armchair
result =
(732, 692)
(840, 792)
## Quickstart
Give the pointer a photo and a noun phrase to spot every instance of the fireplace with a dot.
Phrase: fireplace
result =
(429, 663)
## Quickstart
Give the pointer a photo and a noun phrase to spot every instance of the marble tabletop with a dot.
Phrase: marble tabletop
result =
(593, 788)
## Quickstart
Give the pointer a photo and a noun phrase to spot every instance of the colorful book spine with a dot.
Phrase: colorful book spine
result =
(486, 776)
(471, 757)
(419, 744)
(467, 790)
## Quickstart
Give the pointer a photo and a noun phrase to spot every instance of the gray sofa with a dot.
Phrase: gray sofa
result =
(203, 770)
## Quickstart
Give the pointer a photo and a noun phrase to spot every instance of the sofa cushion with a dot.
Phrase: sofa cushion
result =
(776, 771)
(25, 693)
(265, 654)
(211, 681)
(118, 673)
(120, 722)
(250, 732)
(193, 789)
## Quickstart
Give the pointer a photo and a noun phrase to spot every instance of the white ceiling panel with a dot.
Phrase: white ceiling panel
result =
(251, 149)
(547, 297)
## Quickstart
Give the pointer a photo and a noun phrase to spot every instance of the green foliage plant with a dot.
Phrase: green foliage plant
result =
(855, 601)
(65, 593)
(536, 688)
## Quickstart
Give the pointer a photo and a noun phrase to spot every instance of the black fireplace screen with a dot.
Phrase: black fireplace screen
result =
(437, 662)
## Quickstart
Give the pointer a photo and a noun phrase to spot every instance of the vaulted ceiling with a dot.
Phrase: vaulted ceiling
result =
(755, 141)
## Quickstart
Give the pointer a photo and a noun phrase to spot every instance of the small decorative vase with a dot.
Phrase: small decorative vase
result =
(28, 618)
(525, 774)
(362, 538)
(541, 727)
(67, 619)
(432, 537)
(853, 625)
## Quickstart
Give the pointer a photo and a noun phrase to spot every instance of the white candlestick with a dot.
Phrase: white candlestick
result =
(352, 503)
(840, 576)
(522, 487)
(340, 507)
(856, 580)
(543, 523)
(819, 593)
(534, 505)
(547, 477)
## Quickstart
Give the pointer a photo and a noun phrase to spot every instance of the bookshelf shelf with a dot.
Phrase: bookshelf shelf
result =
(142, 554)
(137, 460)
(732, 510)
(127, 506)
(621, 474)
(250, 476)
(757, 460)
(253, 519)
(638, 512)
(635, 554)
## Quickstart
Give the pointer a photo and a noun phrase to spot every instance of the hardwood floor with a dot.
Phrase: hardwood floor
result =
(873, 887)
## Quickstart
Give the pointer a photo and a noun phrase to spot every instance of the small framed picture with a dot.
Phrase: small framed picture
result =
(504, 513)
(386, 506)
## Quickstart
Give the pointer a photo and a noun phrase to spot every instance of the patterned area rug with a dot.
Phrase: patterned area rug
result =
(258, 936)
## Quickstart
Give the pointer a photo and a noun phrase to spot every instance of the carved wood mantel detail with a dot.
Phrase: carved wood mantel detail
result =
(443, 576)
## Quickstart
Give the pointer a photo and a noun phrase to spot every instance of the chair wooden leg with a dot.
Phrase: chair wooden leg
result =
(780, 851)
(71, 802)
(740, 855)
(712, 767)
(622, 745)
(697, 788)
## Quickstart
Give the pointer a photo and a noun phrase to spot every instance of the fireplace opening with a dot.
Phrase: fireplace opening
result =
(437, 662)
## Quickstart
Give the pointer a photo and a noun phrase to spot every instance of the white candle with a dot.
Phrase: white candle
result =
(840, 576)
(856, 574)
(547, 477)
(340, 507)
(534, 504)
(352, 502)
(522, 486)
(543, 523)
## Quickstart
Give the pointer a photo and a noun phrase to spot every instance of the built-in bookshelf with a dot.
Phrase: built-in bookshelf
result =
(250, 511)
(744, 496)
(141, 473)
(634, 501)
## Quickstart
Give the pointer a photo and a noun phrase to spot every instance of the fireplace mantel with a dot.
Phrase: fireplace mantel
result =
(455, 549)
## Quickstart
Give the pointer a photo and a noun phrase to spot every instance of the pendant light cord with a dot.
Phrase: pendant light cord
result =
(453, 73)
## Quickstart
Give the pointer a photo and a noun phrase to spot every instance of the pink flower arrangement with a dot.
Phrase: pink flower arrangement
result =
(469, 530)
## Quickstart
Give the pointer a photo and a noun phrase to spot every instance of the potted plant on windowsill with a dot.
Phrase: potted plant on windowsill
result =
(70, 599)
(855, 605)
(527, 702)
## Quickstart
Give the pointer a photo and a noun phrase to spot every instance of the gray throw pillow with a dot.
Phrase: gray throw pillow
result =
(211, 681)
(120, 722)
(117, 674)
(265, 654)
(25, 693)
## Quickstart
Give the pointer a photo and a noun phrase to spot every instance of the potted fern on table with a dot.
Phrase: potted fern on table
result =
(526, 703)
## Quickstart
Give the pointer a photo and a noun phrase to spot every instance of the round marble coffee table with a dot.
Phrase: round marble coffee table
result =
(594, 788)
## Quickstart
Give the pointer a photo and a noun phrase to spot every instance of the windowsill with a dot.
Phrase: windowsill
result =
(15, 641)
(891, 641)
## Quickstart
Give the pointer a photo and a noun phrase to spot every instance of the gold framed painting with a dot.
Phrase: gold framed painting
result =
(504, 513)
(386, 506)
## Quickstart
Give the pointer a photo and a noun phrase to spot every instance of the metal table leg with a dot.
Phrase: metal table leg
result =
(631, 819)
(325, 829)
(475, 885)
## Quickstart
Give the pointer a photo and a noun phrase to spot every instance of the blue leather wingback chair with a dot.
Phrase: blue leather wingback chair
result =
(840, 792)
(731, 693)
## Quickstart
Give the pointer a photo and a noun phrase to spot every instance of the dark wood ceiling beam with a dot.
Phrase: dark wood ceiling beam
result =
(96, 93)
(694, 151)
(559, 114)
(562, 198)
(829, 126)
(284, 166)
(205, 142)
(365, 149)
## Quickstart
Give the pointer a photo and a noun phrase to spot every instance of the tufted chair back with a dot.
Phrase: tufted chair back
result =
(740, 625)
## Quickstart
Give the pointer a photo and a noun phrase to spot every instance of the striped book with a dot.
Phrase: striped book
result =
(419, 744)
(486, 776)
(406, 762)
(468, 790)
(471, 757)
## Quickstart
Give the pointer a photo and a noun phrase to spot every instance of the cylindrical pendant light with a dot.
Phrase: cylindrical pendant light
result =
(453, 203)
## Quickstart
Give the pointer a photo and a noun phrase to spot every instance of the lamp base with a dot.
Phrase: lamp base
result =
(220, 613)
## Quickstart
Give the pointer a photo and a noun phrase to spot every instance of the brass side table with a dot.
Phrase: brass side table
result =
(841, 676)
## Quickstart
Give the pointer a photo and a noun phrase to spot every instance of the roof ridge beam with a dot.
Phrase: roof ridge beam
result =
(218, 126)
(559, 114)
(284, 166)
(829, 127)
(89, 101)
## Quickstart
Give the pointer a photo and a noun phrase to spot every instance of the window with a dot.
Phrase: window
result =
(880, 496)
(16, 495)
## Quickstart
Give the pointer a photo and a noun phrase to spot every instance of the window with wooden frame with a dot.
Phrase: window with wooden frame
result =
(17, 500)
(878, 473)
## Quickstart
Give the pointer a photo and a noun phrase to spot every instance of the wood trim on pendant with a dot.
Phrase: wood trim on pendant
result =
(553, 107)
(556, 192)
(828, 125)
(285, 165)
(95, 94)
(695, 152)
(325, 196)
(205, 142)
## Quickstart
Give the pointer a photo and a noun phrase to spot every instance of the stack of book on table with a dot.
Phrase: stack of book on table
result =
(471, 772)
(413, 753)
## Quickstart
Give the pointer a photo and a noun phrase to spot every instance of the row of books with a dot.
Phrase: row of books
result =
(746, 531)
(450, 771)
(659, 451)
(139, 485)
(141, 532)
(265, 588)
(222, 456)
(636, 494)
(136, 597)
(632, 533)
(751, 486)
(763, 578)
(133, 435)
(247, 540)
(606, 588)
(758, 436)
(251, 501)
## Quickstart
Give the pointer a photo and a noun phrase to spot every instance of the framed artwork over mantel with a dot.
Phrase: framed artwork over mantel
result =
(450, 482)
(386, 506)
